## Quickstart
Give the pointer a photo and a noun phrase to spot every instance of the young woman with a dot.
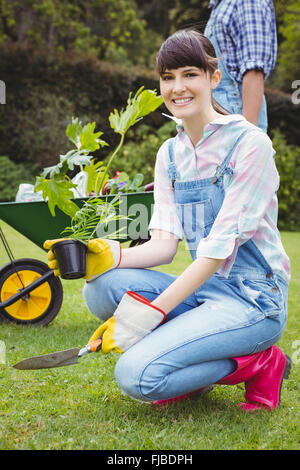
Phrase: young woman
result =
(215, 186)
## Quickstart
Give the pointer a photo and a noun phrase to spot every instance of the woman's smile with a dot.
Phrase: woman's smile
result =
(182, 101)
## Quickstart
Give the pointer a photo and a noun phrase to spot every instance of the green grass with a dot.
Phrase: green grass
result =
(82, 407)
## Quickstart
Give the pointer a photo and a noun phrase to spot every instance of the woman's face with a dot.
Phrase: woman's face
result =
(187, 90)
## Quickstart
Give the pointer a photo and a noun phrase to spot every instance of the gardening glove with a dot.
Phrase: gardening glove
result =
(102, 255)
(134, 318)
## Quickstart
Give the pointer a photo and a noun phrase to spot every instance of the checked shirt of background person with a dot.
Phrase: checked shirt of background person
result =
(155, 460)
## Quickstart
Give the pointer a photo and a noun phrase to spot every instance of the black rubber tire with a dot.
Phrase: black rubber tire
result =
(54, 283)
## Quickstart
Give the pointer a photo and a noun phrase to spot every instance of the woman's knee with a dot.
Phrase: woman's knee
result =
(138, 378)
(102, 295)
(127, 376)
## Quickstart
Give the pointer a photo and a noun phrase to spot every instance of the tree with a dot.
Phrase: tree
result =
(167, 16)
(288, 65)
(102, 27)
(189, 13)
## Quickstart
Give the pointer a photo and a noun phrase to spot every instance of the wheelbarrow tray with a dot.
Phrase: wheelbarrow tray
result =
(35, 221)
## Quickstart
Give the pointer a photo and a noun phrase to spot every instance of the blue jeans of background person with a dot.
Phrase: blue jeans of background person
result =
(222, 319)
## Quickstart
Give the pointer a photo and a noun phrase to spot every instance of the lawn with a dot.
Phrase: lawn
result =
(82, 407)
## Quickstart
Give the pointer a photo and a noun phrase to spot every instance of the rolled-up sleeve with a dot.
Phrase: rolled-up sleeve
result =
(256, 39)
(250, 192)
(164, 215)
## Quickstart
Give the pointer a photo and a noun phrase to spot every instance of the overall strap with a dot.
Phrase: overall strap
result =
(172, 171)
(224, 168)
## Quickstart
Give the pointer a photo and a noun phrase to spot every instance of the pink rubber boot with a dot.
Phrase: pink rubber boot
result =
(169, 401)
(263, 374)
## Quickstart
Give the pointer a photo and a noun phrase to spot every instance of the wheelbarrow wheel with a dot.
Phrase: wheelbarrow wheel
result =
(40, 306)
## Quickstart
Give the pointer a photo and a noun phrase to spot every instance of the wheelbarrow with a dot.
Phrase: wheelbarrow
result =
(30, 294)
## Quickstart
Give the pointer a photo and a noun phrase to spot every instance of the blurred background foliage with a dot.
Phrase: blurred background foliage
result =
(82, 58)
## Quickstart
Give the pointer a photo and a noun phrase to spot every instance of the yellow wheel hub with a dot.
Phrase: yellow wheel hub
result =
(34, 304)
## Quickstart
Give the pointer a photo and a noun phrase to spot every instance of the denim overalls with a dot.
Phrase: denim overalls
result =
(229, 93)
(224, 318)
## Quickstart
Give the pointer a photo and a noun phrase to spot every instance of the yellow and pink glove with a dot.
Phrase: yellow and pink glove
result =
(102, 255)
(134, 318)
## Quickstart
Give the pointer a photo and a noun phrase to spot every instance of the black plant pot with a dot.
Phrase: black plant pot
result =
(71, 258)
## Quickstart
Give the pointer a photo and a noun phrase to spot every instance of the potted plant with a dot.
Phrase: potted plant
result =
(93, 218)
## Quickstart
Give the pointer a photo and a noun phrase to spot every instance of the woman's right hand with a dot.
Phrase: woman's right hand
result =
(134, 318)
(102, 255)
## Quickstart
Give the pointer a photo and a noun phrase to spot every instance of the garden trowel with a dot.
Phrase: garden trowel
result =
(60, 358)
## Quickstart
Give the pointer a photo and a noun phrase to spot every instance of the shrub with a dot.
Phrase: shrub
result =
(287, 160)
(11, 176)
(42, 127)
(44, 92)
(283, 114)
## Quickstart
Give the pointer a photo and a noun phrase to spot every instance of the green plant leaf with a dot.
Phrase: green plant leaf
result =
(94, 171)
(93, 213)
(73, 132)
(148, 102)
(90, 140)
(123, 176)
(75, 158)
(84, 137)
(143, 103)
(58, 193)
(137, 180)
(67, 162)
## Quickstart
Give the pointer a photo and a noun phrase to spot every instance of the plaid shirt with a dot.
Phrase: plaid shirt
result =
(246, 34)
(250, 206)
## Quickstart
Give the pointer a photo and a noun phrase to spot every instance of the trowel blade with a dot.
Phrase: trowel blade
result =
(47, 361)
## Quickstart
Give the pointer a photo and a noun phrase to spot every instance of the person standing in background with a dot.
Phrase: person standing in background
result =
(243, 33)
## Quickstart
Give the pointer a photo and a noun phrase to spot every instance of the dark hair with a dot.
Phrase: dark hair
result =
(188, 47)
